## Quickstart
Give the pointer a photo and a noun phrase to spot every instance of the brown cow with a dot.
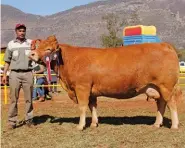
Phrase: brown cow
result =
(122, 72)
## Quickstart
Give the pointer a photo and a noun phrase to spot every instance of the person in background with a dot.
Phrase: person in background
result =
(46, 90)
(38, 70)
(54, 76)
(53, 88)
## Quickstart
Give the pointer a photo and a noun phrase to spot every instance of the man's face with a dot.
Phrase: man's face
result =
(21, 33)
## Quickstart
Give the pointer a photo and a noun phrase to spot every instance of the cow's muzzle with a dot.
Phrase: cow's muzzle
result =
(34, 56)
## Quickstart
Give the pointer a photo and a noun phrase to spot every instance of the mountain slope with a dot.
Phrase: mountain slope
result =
(83, 25)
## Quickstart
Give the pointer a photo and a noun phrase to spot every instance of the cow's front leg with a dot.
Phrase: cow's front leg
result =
(93, 108)
(82, 93)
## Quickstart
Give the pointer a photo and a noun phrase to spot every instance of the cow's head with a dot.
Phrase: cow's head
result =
(43, 48)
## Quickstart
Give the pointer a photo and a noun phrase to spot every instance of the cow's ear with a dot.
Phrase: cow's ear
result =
(33, 45)
(52, 38)
(37, 43)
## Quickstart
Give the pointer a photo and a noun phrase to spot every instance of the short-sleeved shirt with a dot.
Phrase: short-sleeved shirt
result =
(17, 54)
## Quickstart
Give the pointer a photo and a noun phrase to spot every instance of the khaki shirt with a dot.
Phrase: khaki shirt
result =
(17, 55)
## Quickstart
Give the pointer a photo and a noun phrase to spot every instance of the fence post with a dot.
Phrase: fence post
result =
(5, 95)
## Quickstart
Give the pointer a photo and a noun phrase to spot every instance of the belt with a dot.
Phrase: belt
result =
(21, 70)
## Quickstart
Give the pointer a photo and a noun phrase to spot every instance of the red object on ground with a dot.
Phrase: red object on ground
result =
(133, 31)
(48, 68)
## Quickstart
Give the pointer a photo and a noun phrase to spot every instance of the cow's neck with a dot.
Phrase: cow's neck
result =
(65, 54)
(62, 66)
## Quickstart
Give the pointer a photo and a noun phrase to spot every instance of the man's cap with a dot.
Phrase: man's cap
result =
(20, 26)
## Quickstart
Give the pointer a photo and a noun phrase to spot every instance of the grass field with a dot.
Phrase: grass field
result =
(122, 124)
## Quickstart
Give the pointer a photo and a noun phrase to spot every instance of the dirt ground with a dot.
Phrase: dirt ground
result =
(122, 124)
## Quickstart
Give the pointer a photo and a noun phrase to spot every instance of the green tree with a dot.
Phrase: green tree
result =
(113, 26)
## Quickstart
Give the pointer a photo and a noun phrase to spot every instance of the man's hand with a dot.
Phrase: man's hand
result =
(4, 79)
(6, 67)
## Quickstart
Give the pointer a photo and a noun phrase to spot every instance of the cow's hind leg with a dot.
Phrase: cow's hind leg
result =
(82, 93)
(172, 104)
(169, 96)
(173, 110)
(161, 105)
(93, 108)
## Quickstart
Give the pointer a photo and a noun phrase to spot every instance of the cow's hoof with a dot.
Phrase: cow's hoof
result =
(80, 128)
(94, 125)
(174, 127)
(156, 125)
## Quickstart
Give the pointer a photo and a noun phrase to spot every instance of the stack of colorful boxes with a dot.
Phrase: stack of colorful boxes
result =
(139, 34)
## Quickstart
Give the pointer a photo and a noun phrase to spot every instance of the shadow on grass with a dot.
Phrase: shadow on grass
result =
(136, 120)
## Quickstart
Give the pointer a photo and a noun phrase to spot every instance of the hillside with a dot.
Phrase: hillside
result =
(83, 25)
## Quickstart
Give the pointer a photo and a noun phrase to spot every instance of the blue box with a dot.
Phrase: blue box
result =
(139, 39)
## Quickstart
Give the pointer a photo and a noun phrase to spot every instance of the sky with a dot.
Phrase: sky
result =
(45, 7)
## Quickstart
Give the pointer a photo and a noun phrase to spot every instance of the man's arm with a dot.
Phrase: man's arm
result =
(6, 67)
(42, 69)
(7, 59)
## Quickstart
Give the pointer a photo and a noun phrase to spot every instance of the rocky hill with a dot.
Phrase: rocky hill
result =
(83, 25)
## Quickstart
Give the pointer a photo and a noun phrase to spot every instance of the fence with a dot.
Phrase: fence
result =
(58, 85)
(6, 92)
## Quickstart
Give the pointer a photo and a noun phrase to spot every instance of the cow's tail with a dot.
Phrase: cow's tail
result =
(177, 94)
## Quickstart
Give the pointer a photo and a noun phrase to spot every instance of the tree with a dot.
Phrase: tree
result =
(113, 26)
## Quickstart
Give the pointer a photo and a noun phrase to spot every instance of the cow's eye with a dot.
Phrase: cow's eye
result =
(48, 49)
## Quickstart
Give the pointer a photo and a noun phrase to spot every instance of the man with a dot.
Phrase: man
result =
(16, 59)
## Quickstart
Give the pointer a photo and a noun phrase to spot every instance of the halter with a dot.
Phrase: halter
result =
(47, 59)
